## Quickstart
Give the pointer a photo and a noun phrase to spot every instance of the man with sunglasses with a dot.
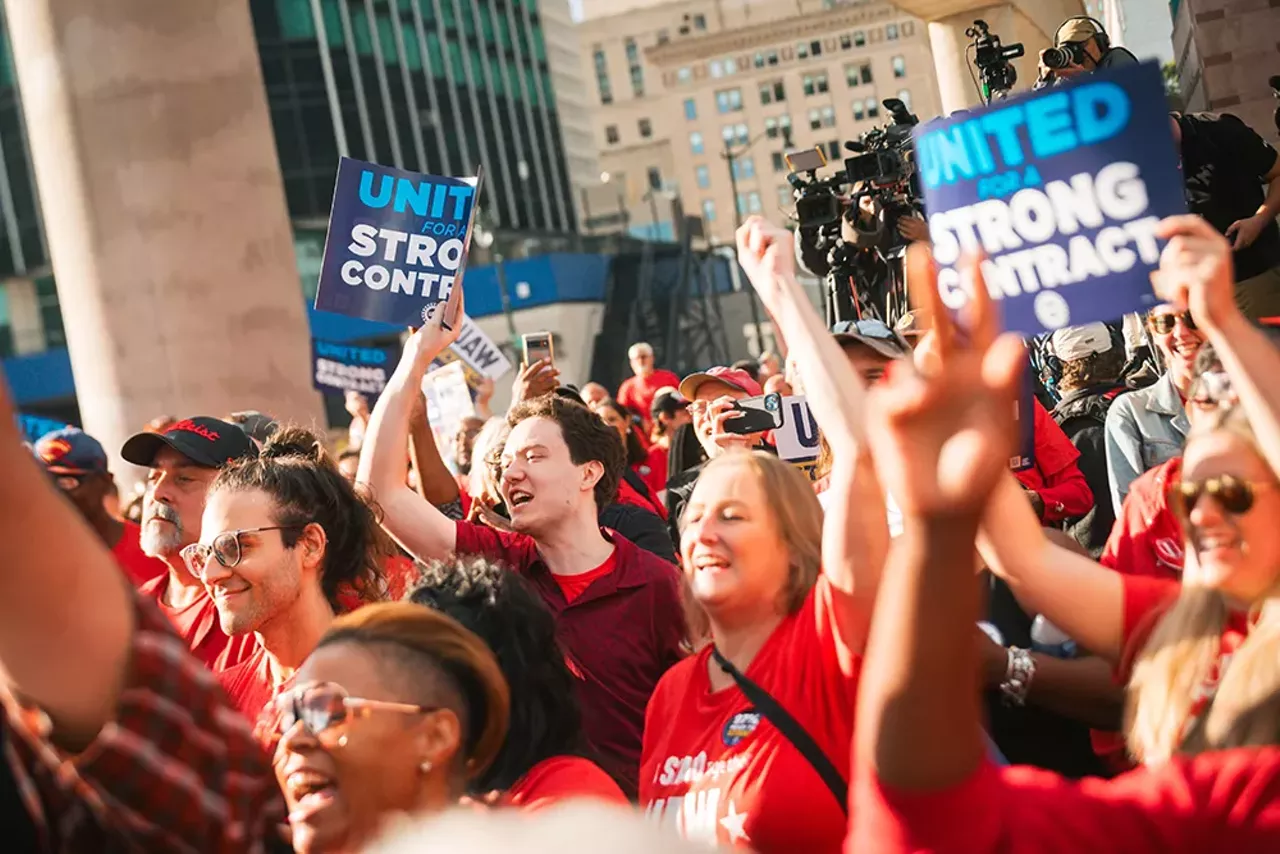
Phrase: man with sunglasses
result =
(1148, 427)
(77, 463)
(182, 461)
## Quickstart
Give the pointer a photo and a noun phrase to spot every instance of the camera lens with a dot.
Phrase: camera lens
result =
(1056, 58)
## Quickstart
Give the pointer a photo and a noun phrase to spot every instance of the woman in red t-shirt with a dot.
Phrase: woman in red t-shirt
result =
(543, 759)
(785, 593)
(923, 783)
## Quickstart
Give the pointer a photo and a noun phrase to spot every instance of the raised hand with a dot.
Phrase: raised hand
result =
(767, 253)
(433, 338)
(1196, 270)
(534, 381)
(942, 434)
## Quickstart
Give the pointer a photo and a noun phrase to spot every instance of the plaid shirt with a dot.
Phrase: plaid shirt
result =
(178, 770)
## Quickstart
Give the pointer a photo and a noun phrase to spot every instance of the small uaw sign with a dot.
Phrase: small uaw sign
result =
(480, 356)
(1062, 190)
(797, 438)
(397, 242)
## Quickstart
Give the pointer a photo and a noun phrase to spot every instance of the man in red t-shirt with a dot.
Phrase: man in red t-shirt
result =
(636, 393)
(618, 607)
(182, 462)
(78, 464)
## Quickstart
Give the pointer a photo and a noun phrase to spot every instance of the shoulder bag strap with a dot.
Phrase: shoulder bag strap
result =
(791, 730)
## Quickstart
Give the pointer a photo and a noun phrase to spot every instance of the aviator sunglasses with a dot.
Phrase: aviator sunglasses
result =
(1163, 324)
(226, 549)
(1234, 495)
(323, 707)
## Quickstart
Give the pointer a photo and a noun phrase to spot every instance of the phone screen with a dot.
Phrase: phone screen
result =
(538, 346)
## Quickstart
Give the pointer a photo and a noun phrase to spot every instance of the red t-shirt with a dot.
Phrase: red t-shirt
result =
(128, 553)
(197, 624)
(573, 586)
(1226, 801)
(654, 469)
(619, 636)
(1055, 475)
(718, 772)
(1147, 538)
(637, 393)
(562, 778)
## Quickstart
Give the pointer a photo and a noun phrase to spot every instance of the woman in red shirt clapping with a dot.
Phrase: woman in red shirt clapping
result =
(786, 595)
(923, 783)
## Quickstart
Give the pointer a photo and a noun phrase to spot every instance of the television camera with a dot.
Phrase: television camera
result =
(992, 60)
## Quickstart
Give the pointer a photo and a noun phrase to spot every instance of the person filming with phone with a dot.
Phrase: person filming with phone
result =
(1080, 45)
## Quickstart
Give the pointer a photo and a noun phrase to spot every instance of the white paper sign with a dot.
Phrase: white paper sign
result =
(797, 438)
(448, 402)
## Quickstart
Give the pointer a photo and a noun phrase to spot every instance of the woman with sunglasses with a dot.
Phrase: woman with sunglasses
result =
(395, 712)
(284, 537)
(1148, 427)
(544, 759)
(923, 785)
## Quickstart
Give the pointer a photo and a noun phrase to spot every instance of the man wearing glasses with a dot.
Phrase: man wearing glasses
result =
(182, 462)
(77, 463)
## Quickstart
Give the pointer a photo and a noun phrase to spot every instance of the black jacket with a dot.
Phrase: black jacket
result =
(1082, 415)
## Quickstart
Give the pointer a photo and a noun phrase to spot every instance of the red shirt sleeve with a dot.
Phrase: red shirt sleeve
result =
(563, 778)
(1064, 490)
(1225, 801)
(516, 551)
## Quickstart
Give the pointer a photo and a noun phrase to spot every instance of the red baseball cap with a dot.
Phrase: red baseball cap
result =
(735, 377)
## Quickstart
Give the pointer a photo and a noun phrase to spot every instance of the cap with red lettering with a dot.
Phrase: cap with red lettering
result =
(205, 441)
(71, 451)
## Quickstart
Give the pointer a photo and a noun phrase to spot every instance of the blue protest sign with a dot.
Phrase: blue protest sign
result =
(397, 242)
(33, 426)
(1062, 190)
(339, 368)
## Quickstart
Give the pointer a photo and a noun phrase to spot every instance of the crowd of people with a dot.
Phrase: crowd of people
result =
(610, 621)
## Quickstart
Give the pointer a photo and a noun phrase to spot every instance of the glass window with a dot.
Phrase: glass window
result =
(716, 67)
(753, 202)
(859, 38)
(645, 128)
(833, 149)
(703, 176)
(802, 50)
(743, 135)
(851, 74)
(296, 23)
(695, 142)
(655, 178)
(743, 168)
(858, 111)
(690, 109)
(899, 66)
(873, 108)
(774, 127)
(758, 60)
(455, 62)
(815, 84)
(50, 313)
(699, 22)
(708, 210)
(815, 48)
(602, 76)
(360, 35)
(772, 57)
(684, 75)
(730, 66)
(611, 134)
(635, 69)
(633, 51)
(829, 117)
(504, 32)
(815, 119)
(846, 41)
(741, 202)
(891, 32)
(779, 162)
(866, 72)
(435, 55)
(729, 100)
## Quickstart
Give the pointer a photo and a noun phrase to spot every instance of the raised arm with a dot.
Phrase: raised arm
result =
(435, 482)
(855, 532)
(414, 522)
(66, 619)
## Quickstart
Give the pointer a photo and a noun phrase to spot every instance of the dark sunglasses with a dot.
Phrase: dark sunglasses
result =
(1234, 495)
(323, 707)
(225, 549)
(1163, 324)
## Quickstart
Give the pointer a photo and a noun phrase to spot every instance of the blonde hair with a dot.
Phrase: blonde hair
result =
(796, 513)
(1180, 657)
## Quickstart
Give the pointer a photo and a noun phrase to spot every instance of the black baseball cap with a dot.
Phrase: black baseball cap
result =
(205, 441)
(874, 334)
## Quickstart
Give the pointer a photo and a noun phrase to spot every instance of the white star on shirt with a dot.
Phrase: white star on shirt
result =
(733, 823)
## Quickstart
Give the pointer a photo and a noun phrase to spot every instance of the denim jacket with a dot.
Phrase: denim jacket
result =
(1144, 429)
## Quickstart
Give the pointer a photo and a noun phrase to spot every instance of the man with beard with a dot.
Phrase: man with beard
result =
(182, 462)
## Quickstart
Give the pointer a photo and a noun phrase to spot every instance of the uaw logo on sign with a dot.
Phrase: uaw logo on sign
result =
(1062, 190)
(397, 243)
(739, 727)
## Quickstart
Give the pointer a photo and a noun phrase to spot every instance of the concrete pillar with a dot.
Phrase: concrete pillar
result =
(165, 210)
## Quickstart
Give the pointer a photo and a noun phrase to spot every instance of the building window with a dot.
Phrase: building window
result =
(833, 150)
(729, 100)
(741, 202)
(602, 77)
(802, 50)
(865, 72)
(773, 128)
(859, 39)
(891, 32)
(786, 196)
(703, 176)
(744, 168)
(815, 119)
(873, 108)
(859, 113)
(700, 22)
(735, 134)
(716, 67)
(753, 202)
(908, 28)
(635, 69)
(50, 313)
(684, 75)
(708, 210)
(899, 66)
(655, 178)
(904, 95)
(773, 92)
(771, 57)
(758, 60)
(731, 66)
(695, 142)
(815, 48)
(828, 117)
(815, 84)
(779, 162)
(690, 109)
(846, 41)
(646, 128)
(611, 134)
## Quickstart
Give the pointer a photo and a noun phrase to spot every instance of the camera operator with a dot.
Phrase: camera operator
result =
(1085, 46)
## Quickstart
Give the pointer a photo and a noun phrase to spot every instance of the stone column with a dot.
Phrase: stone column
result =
(165, 210)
